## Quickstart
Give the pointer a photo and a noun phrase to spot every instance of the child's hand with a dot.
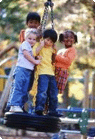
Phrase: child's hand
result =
(42, 43)
(37, 62)
(39, 57)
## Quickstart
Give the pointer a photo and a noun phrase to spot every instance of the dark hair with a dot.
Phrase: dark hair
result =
(61, 36)
(52, 34)
(33, 16)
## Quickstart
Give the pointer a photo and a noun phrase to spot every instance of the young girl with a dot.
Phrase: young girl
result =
(64, 59)
(32, 21)
(22, 74)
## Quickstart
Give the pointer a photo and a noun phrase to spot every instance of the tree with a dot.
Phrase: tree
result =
(12, 18)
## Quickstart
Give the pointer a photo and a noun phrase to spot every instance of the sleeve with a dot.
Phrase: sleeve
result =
(25, 46)
(21, 38)
(66, 59)
(34, 49)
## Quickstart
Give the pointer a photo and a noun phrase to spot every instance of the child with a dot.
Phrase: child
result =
(24, 68)
(47, 87)
(32, 21)
(64, 59)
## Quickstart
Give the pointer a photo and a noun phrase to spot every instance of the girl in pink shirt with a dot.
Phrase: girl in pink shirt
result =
(64, 58)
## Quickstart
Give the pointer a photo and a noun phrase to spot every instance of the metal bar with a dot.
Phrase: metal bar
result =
(7, 59)
(75, 121)
(75, 110)
(69, 121)
(71, 131)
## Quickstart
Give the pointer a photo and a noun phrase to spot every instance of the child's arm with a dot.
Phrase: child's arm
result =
(39, 30)
(39, 47)
(66, 59)
(21, 38)
(30, 58)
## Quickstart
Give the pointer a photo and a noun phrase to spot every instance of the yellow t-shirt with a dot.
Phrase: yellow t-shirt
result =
(46, 66)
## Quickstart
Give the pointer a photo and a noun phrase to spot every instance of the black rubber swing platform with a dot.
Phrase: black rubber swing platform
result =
(30, 122)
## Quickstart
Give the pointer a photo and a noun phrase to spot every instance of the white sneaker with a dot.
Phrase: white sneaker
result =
(16, 109)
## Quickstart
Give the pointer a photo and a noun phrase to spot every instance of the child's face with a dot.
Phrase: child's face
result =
(31, 39)
(48, 42)
(33, 23)
(68, 39)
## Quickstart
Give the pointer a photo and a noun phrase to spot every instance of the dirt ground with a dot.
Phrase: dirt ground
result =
(8, 133)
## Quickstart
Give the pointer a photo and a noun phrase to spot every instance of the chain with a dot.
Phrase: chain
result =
(45, 15)
(44, 19)
(52, 18)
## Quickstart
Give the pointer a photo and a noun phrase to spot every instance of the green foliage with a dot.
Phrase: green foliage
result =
(11, 19)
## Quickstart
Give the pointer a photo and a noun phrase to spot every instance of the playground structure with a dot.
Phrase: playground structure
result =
(85, 121)
(87, 114)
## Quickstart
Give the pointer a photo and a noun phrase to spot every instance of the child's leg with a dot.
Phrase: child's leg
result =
(19, 94)
(52, 94)
(42, 92)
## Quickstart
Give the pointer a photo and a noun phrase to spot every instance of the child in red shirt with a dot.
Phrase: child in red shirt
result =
(64, 58)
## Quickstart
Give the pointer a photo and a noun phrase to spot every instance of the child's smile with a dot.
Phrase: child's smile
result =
(68, 39)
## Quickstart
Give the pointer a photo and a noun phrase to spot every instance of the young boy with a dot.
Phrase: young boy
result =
(47, 87)
(32, 21)
(22, 74)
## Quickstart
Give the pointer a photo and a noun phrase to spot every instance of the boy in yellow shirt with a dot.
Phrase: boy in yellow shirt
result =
(47, 87)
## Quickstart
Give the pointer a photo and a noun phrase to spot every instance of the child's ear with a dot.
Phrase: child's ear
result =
(61, 38)
(75, 37)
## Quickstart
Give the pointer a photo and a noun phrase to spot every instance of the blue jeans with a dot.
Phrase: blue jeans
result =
(20, 86)
(47, 88)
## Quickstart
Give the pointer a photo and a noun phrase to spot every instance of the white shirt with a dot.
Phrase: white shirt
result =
(22, 61)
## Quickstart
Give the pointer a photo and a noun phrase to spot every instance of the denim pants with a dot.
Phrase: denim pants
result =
(47, 88)
(20, 86)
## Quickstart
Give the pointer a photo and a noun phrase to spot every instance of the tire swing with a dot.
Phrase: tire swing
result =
(33, 122)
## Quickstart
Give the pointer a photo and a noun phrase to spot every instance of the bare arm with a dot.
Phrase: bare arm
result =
(39, 47)
(30, 58)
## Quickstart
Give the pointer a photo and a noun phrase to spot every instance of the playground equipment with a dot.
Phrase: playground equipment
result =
(32, 122)
(46, 123)
(5, 93)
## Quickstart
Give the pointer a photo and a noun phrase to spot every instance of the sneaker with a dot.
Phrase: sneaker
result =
(39, 112)
(56, 114)
(15, 109)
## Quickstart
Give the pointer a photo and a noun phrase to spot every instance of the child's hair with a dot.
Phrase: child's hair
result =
(33, 16)
(61, 36)
(29, 31)
(50, 33)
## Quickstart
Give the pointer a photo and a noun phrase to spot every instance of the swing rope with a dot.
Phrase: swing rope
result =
(45, 15)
